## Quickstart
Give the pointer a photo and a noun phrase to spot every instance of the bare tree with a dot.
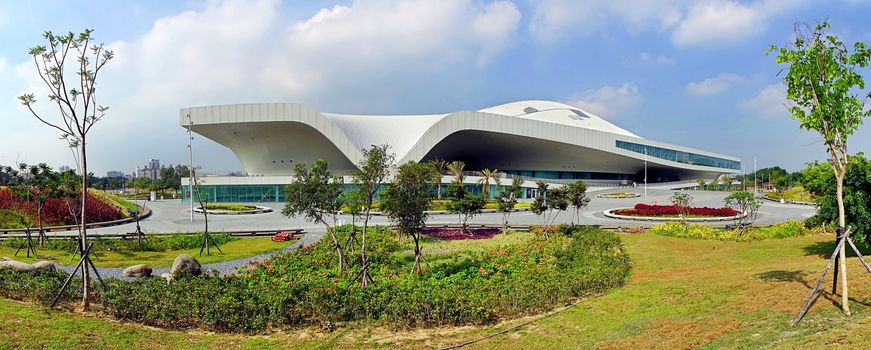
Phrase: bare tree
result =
(69, 67)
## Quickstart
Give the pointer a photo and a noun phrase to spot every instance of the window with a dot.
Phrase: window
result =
(680, 156)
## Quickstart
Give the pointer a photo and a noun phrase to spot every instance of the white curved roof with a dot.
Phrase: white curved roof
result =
(555, 112)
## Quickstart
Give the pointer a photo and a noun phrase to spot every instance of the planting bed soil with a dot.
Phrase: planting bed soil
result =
(454, 233)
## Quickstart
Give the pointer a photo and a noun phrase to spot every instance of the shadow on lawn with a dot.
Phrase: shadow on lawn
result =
(800, 277)
(824, 249)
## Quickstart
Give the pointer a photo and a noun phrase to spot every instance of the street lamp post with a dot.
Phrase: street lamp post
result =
(190, 167)
(755, 183)
(645, 172)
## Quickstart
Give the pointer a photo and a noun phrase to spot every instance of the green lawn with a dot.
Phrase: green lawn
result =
(793, 194)
(241, 248)
(682, 294)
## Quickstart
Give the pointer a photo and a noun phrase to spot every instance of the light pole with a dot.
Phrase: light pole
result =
(191, 167)
(645, 172)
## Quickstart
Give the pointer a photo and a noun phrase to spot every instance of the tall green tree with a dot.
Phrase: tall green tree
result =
(463, 203)
(539, 203)
(557, 202)
(376, 165)
(486, 175)
(315, 193)
(819, 179)
(507, 199)
(69, 66)
(456, 169)
(439, 166)
(406, 199)
(824, 85)
(39, 183)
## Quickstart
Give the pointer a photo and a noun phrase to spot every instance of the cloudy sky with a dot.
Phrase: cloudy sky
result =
(691, 73)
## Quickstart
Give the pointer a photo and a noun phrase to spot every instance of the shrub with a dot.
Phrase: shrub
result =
(38, 286)
(783, 230)
(230, 207)
(152, 243)
(642, 209)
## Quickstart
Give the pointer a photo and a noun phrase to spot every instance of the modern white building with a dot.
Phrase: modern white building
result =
(533, 139)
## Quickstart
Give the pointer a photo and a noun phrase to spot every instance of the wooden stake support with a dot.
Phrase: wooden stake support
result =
(85, 262)
(842, 240)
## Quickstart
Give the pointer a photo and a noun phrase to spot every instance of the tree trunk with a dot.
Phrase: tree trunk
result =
(39, 217)
(342, 261)
(839, 176)
(86, 281)
(364, 260)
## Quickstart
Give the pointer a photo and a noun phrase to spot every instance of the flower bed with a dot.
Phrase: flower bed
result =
(56, 211)
(642, 209)
(454, 233)
(619, 195)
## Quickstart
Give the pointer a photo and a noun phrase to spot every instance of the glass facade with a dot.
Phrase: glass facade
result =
(569, 175)
(680, 156)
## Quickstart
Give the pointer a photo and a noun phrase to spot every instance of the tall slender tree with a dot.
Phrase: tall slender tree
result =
(406, 200)
(456, 169)
(376, 165)
(486, 175)
(577, 193)
(824, 84)
(69, 66)
(439, 165)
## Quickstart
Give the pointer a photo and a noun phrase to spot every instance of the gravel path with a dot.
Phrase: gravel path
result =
(228, 267)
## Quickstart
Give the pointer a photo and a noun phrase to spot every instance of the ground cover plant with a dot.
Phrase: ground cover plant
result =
(796, 193)
(642, 209)
(782, 230)
(452, 233)
(619, 195)
(55, 210)
(230, 207)
(304, 287)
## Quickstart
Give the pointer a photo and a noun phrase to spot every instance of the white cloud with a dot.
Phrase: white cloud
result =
(555, 19)
(720, 21)
(659, 59)
(366, 54)
(608, 100)
(713, 85)
(770, 102)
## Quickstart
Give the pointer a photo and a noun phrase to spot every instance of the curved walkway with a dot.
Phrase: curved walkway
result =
(228, 267)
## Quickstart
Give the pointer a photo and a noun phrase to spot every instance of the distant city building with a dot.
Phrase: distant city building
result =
(151, 170)
(114, 173)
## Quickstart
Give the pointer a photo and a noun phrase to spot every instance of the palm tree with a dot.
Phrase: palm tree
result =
(456, 169)
(439, 165)
(701, 183)
(486, 175)
(727, 181)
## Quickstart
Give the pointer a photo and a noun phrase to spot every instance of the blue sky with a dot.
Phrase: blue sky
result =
(691, 73)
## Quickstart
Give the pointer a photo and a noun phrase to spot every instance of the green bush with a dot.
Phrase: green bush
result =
(230, 207)
(782, 230)
(305, 287)
(152, 243)
(38, 286)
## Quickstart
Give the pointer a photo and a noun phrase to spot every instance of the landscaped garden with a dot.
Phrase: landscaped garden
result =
(56, 210)
(794, 194)
(672, 211)
(230, 207)
(155, 250)
(619, 195)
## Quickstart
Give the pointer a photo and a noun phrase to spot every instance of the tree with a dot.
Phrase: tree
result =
(39, 184)
(701, 183)
(577, 194)
(315, 193)
(204, 204)
(69, 67)
(539, 204)
(823, 84)
(747, 206)
(486, 175)
(439, 166)
(463, 203)
(372, 171)
(406, 199)
(557, 201)
(682, 202)
(819, 179)
(508, 199)
(456, 169)
(727, 182)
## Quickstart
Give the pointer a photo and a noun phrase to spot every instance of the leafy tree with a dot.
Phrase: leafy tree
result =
(577, 195)
(169, 179)
(39, 184)
(539, 204)
(727, 182)
(406, 199)
(747, 206)
(439, 166)
(486, 175)
(8, 175)
(701, 183)
(683, 202)
(372, 171)
(508, 199)
(315, 193)
(557, 201)
(819, 179)
(69, 67)
(463, 203)
(824, 83)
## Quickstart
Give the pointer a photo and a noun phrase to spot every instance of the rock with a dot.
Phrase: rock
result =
(5, 259)
(167, 277)
(16, 266)
(44, 265)
(211, 272)
(141, 270)
(185, 264)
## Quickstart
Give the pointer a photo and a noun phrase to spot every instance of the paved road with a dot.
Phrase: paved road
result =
(174, 216)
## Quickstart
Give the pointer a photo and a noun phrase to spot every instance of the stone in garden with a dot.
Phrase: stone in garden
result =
(44, 265)
(5, 259)
(141, 270)
(167, 277)
(185, 263)
(16, 266)
(211, 272)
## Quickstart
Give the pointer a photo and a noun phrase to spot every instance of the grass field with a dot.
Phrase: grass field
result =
(237, 249)
(682, 294)
(792, 194)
